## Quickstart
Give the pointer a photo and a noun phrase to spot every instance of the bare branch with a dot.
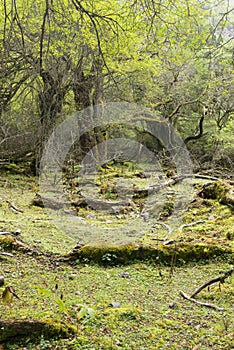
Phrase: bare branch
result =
(182, 104)
(46, 14)
(220, 279)
(212, 306)
(199, 135)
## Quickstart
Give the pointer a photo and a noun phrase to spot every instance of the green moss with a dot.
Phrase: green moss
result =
(11, 331)
(219, 190)
(113, 255)
(6, 243)
(54, 328)
(123, 313)
(13, 168)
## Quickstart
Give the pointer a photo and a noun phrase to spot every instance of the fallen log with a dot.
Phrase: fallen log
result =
(48, 328)
(98, 204)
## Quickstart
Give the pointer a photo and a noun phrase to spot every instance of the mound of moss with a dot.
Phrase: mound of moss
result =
(9, 330)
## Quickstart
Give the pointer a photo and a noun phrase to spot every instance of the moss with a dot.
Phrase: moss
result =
(11, 330)
(123, 313)
(104, 254)
(219, 190)
(6, 243)
(54, 328)
(13, 168)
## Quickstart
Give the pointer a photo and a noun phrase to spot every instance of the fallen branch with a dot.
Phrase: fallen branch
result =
(7, 233)
(212, 306)
(14, 207)
(7, 254)
(173, 181)
(169, 229)
(220, 279)
(191, 224)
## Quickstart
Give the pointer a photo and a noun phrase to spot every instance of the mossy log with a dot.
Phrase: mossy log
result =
(110, 254)
(219, 190)
(27, 328)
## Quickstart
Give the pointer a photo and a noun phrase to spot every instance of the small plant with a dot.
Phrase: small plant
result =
(109, 258)
(86, 314)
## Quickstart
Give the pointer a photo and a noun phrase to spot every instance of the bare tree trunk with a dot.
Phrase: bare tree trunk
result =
(51, 100)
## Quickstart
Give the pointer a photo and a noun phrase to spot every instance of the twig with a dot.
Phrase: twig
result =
(14, 207)
(220, 279)
(212, 306)
(7, 221)
(7, 254)
(191, 224)
(164, 225)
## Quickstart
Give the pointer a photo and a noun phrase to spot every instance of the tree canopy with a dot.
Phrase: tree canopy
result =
(59, 56)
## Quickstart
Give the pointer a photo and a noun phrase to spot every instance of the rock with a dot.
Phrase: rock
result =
(114, 304)
(173, 305)
(124, 274)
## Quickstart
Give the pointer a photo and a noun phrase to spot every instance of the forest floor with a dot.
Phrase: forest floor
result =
(112, 305)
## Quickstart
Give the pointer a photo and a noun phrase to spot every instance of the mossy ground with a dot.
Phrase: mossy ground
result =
(150, 312)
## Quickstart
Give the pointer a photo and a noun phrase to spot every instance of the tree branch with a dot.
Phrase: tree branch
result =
(220, 279)
(212, 306)
(182, 104)
(198, 136)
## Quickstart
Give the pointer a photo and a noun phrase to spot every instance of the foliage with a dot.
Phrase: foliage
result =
(60, 56)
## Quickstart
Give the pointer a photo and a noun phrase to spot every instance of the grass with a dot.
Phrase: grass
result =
(150, 314)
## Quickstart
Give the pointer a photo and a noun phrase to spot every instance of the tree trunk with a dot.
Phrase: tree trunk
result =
(51, 100)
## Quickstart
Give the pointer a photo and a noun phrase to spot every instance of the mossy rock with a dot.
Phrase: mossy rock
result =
(11, 330)
(219, 190)
(110, 254)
